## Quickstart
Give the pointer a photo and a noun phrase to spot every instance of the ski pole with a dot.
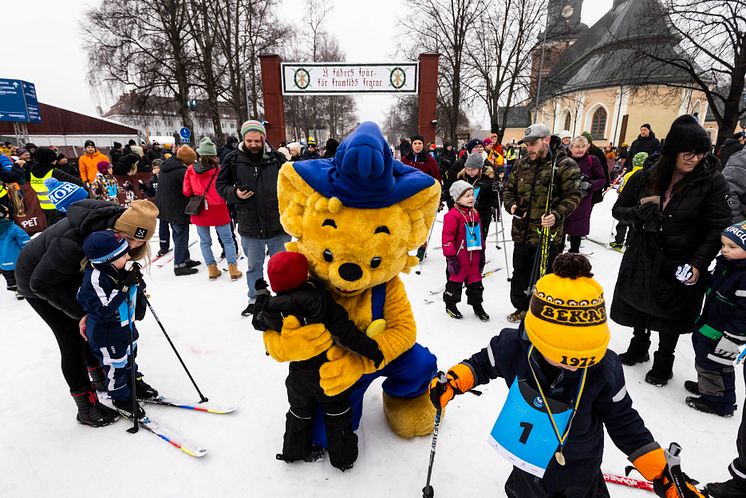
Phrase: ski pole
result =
(133, 369)
(427, 244)
(427, 491)
(202, 398)
(673, 461)
(502, 232)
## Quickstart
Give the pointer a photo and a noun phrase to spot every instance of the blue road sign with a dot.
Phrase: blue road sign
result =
(185, 133)
(18, 102)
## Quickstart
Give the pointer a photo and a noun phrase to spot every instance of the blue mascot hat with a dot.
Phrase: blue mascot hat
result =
(62, 194)
(363, 173)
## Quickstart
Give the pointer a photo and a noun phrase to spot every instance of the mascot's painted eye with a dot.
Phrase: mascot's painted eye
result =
(375, 262)
(328, 256)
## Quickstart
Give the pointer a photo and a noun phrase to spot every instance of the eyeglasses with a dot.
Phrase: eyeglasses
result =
(688, 156)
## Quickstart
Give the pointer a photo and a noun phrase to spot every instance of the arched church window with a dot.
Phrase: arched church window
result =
(567, 122)
(598, 124)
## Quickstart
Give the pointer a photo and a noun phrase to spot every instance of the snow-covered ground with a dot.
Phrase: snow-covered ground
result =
(45, 452)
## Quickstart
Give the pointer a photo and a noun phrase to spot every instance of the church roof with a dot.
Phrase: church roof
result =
(608, 54)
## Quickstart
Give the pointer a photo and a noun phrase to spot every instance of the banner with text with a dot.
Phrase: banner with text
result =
(342, 78)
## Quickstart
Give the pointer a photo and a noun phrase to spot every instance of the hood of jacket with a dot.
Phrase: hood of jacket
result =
(89, 215)
(650, 137)
(172, 164)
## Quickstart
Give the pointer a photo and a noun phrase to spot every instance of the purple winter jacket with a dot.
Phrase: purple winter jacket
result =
(579, 222)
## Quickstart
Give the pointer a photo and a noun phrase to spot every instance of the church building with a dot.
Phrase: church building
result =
(596, 79)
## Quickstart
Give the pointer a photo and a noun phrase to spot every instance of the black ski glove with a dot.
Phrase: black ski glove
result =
(129, 278)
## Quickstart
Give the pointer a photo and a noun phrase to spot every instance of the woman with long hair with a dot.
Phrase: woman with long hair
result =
(676, 211)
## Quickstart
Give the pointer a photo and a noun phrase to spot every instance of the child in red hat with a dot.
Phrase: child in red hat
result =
(310, 302)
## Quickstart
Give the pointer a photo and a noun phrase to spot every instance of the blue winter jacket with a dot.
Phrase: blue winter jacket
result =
(12, 240)
(604, 402)
(725, 301)
(110, 306)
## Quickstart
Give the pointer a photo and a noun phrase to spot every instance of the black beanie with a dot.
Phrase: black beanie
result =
(45, 155)
(417, 137)
(331, 146)
(646, 125)
(686, 135)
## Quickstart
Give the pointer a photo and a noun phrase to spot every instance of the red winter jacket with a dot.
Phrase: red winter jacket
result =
(454, 244)
(423, 162)
(216, 212)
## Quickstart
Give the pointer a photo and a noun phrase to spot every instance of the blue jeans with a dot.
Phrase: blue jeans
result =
(255, 249)
(205, 243)
(164, 235)
(181, 244)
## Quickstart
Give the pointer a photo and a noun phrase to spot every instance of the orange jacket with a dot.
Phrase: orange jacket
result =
(87, 165)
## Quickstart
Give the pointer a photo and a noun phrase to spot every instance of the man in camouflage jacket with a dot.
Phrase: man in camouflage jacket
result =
(525, 197)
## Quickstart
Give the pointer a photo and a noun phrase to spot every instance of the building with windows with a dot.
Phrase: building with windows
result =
(160, 116)
(595, 79)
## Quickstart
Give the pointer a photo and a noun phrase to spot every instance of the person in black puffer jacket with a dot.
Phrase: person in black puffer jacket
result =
(171, 203)
(49, 274)
(645, 142)
(248, 180)
(676, 211)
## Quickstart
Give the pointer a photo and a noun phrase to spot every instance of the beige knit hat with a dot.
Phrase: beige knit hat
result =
(138, 221)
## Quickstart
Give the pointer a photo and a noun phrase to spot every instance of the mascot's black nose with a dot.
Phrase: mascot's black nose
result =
(350, 272)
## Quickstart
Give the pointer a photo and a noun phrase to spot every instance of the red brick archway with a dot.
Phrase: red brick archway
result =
(274, 107)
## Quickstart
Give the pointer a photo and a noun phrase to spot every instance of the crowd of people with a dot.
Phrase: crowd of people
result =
(675, 212)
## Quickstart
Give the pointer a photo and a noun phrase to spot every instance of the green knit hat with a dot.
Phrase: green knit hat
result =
(253, 125)
(206, 147)
(639, 160)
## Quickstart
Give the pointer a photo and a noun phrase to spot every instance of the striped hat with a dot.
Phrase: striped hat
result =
(253, 125)
(104, 246)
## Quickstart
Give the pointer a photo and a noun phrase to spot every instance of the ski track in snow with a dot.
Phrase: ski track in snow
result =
(45, 448)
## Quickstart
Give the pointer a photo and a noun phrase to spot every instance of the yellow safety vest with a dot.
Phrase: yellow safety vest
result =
(3, 191)
(41, 191)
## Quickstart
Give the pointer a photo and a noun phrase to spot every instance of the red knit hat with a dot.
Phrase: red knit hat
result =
(287, 270)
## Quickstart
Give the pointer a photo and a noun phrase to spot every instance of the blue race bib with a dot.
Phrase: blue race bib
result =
(523, 433)
(127, 310)
(111, 190)
(473, 236)
(476, 196)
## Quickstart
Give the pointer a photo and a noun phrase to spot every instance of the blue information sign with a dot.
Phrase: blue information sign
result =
(185, 133)
(18, 102)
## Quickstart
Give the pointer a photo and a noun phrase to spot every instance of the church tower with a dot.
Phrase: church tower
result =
(563, 29)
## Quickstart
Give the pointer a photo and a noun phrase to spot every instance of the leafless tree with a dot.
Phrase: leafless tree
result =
(142, 45)
(712, 54)
(499, 55)
(246, 29)
(307, 113)
(444, 26)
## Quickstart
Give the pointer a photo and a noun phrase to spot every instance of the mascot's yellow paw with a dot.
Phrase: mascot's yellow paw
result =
(296, 342)
(343, 369)
(376, 327)
(409, 417)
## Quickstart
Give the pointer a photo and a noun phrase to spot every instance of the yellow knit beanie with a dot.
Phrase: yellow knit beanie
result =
(566, 321)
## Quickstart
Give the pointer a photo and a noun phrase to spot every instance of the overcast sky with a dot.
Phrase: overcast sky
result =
(43, 45)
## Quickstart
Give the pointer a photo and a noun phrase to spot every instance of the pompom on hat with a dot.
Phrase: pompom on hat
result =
(566, 320)
(62, 194)
(287, 270)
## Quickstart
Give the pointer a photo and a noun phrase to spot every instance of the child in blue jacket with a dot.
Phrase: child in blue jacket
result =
(565, 387)
(721, 328)
(110, 295)
(12, 240)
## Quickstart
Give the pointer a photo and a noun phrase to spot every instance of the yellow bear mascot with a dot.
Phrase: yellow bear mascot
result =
(355, 218)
